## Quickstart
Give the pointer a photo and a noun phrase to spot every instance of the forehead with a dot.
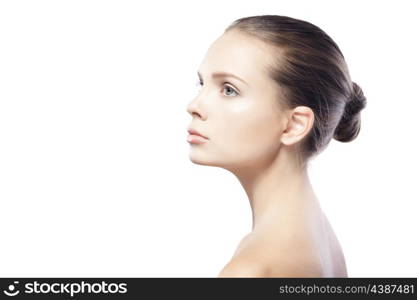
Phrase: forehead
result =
(240, 54)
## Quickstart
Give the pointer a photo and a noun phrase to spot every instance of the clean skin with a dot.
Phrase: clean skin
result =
(252, 135)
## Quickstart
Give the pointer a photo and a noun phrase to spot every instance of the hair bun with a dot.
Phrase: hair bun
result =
(350, 123)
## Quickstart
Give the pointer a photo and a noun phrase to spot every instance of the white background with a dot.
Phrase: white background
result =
(95, 178)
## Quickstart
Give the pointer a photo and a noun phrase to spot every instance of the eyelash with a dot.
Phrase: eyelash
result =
(199, 83)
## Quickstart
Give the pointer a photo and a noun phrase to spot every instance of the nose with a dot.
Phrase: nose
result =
(194, 109)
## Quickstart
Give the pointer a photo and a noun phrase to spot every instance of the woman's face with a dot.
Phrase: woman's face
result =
(240, 118)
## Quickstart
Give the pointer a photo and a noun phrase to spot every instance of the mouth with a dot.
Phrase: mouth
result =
(195, 137)
(196, 133)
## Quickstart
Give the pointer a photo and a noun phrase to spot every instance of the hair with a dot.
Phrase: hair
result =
(311, 71)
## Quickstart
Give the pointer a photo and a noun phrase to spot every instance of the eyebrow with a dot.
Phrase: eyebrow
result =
(224, 74)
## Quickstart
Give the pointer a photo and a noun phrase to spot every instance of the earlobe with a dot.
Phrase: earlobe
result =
(300, 122)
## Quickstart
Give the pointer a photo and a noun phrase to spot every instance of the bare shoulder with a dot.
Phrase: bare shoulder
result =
(290, 267)
(243, 267)
(262, 256)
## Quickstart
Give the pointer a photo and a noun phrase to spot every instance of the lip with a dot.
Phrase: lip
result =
(196, 133)
(195, 137)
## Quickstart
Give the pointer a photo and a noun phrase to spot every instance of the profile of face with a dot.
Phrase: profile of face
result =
(236, 106)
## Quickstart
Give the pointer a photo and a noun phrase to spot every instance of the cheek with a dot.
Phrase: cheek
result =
(250, 130)
(258, 133)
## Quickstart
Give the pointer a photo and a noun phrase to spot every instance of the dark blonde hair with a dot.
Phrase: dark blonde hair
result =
(312, 72)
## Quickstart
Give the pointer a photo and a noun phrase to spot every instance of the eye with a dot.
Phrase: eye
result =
(228, 88)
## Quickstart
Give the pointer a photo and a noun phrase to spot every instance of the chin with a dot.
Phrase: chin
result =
(200, 159)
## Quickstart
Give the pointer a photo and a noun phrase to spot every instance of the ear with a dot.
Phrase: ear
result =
(299, 123)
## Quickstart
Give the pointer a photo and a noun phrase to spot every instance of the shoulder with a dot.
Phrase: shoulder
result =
(243, 267)
(291, 266)
(267, 258)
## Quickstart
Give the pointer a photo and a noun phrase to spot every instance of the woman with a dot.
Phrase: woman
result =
(275, 90)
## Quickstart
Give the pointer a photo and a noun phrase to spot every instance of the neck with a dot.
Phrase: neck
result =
(277, 188)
